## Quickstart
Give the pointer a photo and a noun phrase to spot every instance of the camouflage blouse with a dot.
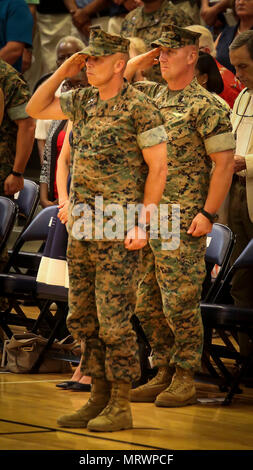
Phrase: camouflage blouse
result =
(16, 96)
(197, 125)
(108, 138)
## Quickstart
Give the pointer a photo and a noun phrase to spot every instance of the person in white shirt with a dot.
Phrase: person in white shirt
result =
(240, 216)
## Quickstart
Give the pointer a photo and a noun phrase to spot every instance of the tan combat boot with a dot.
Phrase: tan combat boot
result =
(99, 397)
(117, 415)
(181, 392)
(148, 392)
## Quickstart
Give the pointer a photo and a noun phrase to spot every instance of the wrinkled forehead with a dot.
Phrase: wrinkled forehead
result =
(240, 55)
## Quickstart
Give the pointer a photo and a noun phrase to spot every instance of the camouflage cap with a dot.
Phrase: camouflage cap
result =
(102, 43)
(175, 37)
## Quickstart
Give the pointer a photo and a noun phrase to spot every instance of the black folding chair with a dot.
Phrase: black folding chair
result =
(228, 320)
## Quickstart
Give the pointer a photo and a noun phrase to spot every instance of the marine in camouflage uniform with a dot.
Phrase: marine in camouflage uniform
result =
(148, 27)
(15, 95)
(110, 138)
(102, 130)
(197, 126)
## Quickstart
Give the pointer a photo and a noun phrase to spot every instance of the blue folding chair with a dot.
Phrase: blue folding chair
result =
(220, 243)
(18, 287)
(8, 214)
(52, 285)
(27, 201)
(228, 320)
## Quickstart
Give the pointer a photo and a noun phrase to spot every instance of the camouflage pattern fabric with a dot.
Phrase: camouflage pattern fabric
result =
(106, 276)
(16, 97)
(175, 37)
(107, 161)
(102, 44)
(197, 125)
(107, 140)
(148, 27)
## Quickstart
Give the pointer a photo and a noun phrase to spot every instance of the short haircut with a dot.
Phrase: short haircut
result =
(80, 45)
(243, 39)
(206, 38)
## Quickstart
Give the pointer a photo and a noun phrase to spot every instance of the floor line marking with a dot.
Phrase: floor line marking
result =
(95, 436)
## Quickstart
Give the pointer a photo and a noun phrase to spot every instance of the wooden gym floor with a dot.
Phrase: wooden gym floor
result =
(30, 405)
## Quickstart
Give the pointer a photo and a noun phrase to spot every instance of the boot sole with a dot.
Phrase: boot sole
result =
(116, 428)
(168, 404)
(83, 425)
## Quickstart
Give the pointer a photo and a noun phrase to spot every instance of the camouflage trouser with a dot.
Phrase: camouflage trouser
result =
(103, 280)
(168, 302)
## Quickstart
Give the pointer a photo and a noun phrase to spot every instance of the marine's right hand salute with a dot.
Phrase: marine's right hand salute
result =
(44, 104)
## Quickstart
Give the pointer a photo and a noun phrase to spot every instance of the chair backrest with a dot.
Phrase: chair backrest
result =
(37, 230)
(53, 266)
(244, 260)
(27, 200)
(39, 226)
(8, 213)
(220, 242)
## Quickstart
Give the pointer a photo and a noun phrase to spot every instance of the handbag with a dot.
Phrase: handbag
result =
(23, 350)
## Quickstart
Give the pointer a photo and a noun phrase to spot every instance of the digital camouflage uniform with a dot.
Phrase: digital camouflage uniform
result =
(16, 96)
(107, 140)
(197, 125)
(148, 27)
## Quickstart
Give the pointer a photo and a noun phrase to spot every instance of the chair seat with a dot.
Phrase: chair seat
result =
(47, 291)
(17, 284)
(226, 315)
(28, 260)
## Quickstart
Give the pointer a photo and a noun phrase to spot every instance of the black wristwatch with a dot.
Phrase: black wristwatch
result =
(16, 173)
(211, 217)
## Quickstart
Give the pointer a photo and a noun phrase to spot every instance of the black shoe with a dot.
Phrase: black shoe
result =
(78, 387)
(65, 385)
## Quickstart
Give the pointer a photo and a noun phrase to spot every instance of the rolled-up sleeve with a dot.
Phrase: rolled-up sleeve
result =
(18, 112)
(152, 137)
(220, 143)
(66, 102)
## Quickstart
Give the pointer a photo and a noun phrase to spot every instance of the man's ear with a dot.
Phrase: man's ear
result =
(193, 56)
(119, 66)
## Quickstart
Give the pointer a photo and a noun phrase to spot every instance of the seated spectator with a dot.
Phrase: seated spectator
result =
(16, 31)
(232, 86)
(244, 13)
